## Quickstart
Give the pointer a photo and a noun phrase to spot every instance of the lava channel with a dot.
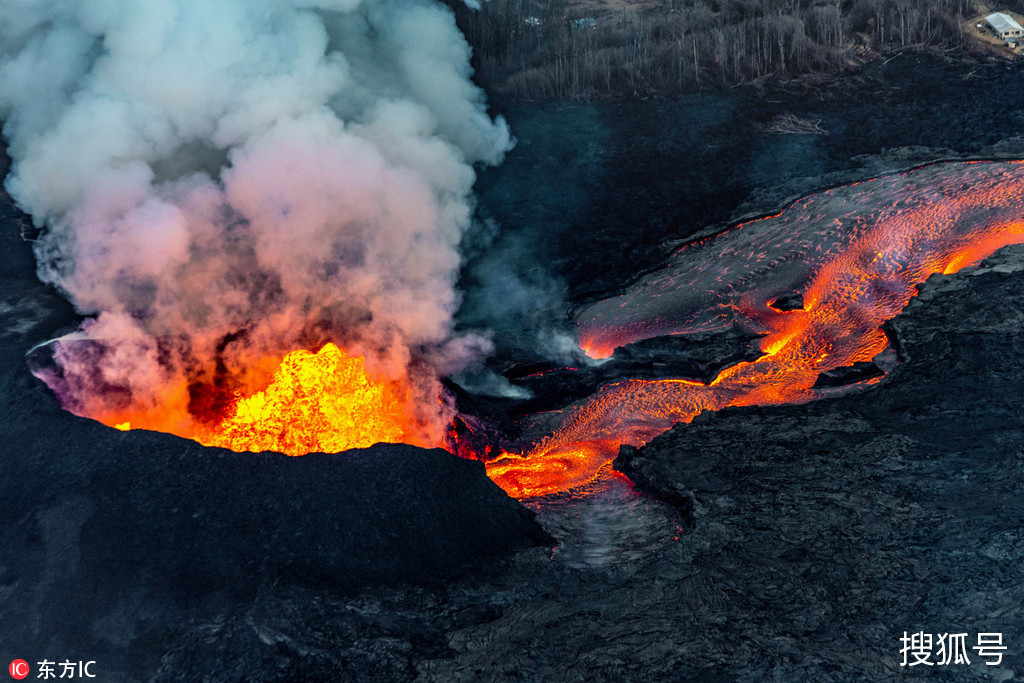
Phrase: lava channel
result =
(856, 253)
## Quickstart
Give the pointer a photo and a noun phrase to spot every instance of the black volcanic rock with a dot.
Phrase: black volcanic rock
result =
(206, 519)
(699, 357)
(846, 522)
(94, 519)
(794, 301)
(849, 374)
(810, 538)
(814, 580)
(110, 540)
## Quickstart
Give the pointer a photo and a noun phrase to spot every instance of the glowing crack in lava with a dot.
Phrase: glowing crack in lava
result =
(316, 402)
(856, 253)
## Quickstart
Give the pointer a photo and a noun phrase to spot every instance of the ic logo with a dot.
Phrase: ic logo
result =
(19, 669)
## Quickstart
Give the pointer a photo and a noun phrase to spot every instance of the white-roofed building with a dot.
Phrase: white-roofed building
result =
(1005, 26)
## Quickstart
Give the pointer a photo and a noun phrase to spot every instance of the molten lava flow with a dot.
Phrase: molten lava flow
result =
(316, 402)
(856, 253)
(322, 402)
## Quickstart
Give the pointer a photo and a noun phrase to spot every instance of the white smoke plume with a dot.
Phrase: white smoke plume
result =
(229, 180)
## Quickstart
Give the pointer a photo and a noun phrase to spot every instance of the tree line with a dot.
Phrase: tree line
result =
(538, 49)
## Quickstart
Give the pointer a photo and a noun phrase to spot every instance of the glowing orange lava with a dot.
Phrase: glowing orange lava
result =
(855, 253)
(316, 402)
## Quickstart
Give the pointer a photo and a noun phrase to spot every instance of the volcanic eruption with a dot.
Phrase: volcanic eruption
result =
(257, 207)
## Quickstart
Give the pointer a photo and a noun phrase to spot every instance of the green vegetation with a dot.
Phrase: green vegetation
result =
(540, 49)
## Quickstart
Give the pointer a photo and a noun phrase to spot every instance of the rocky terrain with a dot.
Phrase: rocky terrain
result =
(800, 543)
(900, 508)
(597, 193)
(787, 543)
(112, 541)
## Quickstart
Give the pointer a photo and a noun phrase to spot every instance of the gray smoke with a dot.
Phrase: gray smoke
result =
(223, 180)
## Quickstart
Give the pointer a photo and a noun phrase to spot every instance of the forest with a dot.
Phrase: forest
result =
(545, 49)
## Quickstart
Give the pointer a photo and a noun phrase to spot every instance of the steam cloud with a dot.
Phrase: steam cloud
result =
(228, 180)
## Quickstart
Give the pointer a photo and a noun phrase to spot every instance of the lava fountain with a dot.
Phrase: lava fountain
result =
(854, 253)
(256, 207)
(322, 402)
